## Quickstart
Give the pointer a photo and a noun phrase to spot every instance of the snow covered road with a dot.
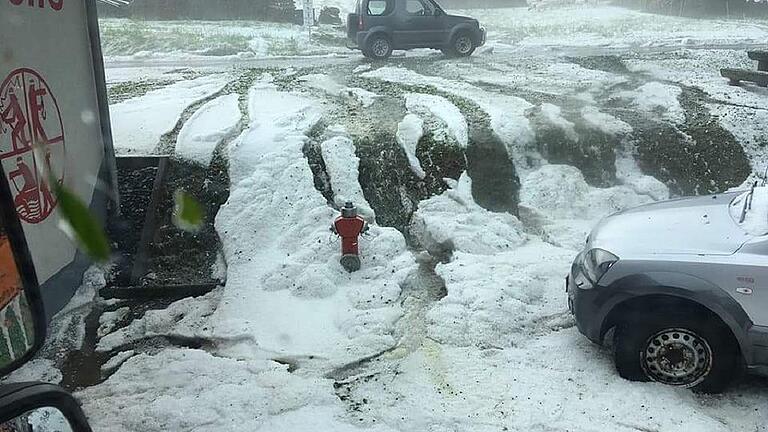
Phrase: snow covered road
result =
(457, 320)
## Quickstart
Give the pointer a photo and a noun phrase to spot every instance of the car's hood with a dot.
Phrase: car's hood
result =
(701, 225)
(458, 19)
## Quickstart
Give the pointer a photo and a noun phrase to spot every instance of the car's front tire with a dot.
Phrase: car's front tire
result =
(379, 47)
(462, 45)
(690, 351)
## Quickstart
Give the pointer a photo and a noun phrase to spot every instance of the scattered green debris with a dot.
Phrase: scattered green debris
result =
(82, 226)
(187, 211)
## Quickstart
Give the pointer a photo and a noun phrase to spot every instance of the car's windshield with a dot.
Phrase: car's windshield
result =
(370, 215)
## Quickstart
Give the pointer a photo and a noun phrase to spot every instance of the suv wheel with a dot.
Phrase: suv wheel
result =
(680, 351)
(379, 47)
(462, 45)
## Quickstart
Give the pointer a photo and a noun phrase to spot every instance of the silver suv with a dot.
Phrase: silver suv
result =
(682, 286)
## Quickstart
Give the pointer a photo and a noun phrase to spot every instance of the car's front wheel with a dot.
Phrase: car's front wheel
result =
(690, 351)
(379, 47)
(462, 45)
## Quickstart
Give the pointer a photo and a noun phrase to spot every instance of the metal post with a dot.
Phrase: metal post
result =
(309, 17)
(103, 103)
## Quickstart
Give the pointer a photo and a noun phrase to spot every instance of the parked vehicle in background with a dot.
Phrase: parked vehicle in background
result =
(684, 284)
(377, 27)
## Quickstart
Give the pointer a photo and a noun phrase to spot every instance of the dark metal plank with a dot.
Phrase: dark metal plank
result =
(157, 291)
(762, 57)
(138, 162)
(737, 75)
(150, 222)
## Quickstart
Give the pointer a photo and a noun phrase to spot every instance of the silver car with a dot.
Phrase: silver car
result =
(683, 284)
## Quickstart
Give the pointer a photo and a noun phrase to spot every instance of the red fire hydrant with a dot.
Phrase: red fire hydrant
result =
(349, 226)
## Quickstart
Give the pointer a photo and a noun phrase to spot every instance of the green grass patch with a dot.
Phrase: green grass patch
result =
(286, 47)
(127, 90)
(129, 37)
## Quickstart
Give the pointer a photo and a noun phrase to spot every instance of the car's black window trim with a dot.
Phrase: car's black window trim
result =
(435, 6)
(427, 8)
(387, 10)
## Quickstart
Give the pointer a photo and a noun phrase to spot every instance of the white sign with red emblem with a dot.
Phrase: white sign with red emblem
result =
(49, 119)
(31, 143)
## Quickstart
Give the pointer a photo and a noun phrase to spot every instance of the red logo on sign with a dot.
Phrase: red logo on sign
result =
(29, 119)
(55, 4)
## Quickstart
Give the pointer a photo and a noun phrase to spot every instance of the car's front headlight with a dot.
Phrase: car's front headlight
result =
(597, 262)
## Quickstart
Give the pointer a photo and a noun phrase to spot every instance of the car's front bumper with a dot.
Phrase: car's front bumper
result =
(582, 304)
(758, 338)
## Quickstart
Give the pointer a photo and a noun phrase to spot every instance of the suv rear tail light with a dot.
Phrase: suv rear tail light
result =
(360, 22)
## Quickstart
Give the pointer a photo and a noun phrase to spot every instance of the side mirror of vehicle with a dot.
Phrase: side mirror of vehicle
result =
(438, 12)
(22, 318)
(28, 407)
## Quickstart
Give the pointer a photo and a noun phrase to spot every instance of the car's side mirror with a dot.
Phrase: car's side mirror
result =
(22, 318)
(438, 12)
(28, 407)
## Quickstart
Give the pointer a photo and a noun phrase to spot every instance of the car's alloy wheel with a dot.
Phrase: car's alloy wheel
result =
(463, 45)
(380, 48)
(677, 357)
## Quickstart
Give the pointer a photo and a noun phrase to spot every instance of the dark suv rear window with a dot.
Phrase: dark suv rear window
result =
(379, 7)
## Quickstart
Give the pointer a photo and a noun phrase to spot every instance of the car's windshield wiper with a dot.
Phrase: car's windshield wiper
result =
(765, 177)
(117, 3)
(747, 203)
